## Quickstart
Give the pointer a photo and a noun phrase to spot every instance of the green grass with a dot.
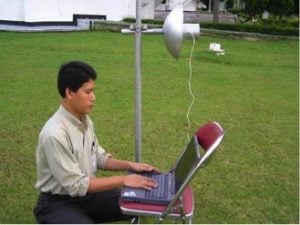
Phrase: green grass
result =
(253, 91)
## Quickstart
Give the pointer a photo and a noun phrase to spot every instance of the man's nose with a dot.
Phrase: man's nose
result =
(93, 97)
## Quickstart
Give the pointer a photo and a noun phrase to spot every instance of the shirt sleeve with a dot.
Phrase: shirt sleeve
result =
(64, 167)
(102, 156)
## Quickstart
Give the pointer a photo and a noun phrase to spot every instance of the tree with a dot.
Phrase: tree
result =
(281, 8)
(216, 11)
(296, 7)
(255, 8)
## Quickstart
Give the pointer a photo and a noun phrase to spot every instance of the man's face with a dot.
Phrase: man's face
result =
(83, 100)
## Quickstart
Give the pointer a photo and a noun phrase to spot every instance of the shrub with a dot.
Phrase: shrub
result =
(265, 28)
(253, 28)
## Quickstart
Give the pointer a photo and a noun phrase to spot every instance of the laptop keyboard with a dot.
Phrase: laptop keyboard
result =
(161, 190)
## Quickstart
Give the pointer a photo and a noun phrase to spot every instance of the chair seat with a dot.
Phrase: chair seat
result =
(143, 209)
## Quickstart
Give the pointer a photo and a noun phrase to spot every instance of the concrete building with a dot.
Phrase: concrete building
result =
(54, 11)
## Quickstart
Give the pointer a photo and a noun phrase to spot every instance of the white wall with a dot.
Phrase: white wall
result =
(12, 10)
(63, 10)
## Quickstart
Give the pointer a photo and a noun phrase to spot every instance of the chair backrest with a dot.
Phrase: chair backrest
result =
(209, 136)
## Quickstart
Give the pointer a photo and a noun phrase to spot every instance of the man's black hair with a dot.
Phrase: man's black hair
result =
(73, 75)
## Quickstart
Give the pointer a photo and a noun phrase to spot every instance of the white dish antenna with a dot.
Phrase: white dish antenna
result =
(175, 31)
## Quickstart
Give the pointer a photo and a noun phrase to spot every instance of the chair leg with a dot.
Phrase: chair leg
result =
(188, 220)
(159, 220)
(136, 220)
(184, 220)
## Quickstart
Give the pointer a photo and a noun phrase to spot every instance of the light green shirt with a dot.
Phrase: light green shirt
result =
(68, 154)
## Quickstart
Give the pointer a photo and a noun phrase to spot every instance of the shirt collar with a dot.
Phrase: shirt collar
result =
(76, 122)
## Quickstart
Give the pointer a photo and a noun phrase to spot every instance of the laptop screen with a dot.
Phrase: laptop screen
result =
(187, 161)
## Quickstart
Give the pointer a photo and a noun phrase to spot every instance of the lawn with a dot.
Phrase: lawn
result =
(252, 90)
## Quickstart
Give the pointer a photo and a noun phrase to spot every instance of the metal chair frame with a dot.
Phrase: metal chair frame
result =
(209, 137)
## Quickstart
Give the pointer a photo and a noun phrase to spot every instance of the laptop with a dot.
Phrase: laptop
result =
(168, 183)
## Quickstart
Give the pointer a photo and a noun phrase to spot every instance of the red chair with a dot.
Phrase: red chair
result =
(209, 137)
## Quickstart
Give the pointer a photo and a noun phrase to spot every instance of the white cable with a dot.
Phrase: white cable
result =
(190, 88)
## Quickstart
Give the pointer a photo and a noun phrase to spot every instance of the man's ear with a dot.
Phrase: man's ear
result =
(69, 93)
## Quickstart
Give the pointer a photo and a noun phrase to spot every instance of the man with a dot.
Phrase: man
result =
(68, 155)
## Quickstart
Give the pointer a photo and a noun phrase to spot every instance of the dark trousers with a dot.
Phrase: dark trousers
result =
(97, 207)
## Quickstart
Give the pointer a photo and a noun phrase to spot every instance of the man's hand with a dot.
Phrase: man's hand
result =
(142, 167)
(138, 181)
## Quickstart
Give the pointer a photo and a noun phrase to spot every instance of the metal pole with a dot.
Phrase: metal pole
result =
(138, 85)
